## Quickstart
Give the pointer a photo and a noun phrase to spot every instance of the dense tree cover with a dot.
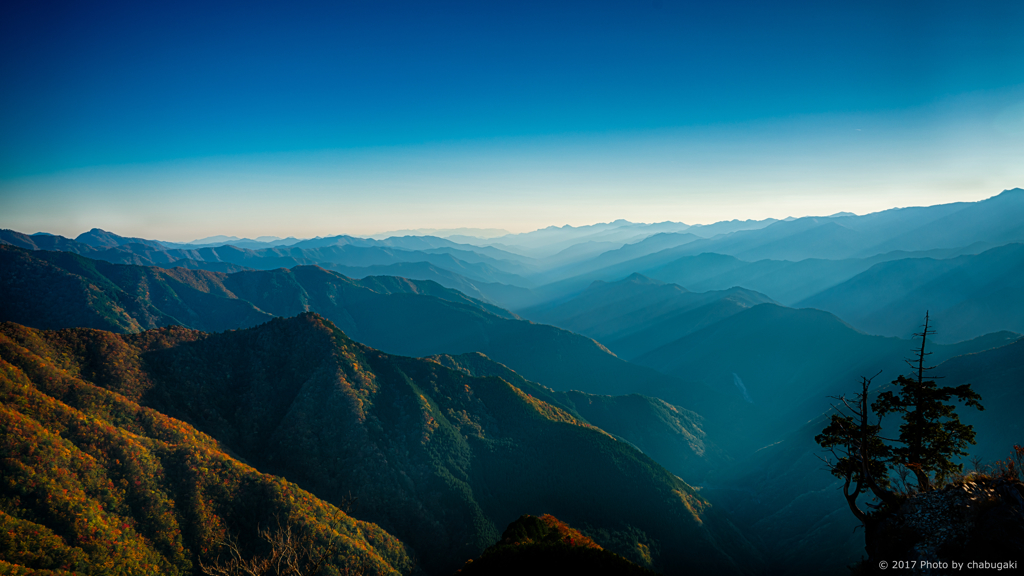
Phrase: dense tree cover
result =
(94, 483)
(671, 435)
(433, 455)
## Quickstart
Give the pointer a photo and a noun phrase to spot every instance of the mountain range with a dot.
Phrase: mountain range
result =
(402, 400)
(434, 456)
(789, 261)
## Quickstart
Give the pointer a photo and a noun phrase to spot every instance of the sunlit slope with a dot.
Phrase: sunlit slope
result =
(673, 436)
(94, 483)
(546, 546)
(439, 458)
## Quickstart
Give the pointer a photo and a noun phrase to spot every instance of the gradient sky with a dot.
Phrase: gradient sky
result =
(178, 120)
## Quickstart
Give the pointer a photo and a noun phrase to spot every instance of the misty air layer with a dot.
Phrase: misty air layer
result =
(791, 396)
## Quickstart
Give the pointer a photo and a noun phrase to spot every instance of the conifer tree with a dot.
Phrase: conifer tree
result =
(930, 437)
(931, 434)
(861, 456)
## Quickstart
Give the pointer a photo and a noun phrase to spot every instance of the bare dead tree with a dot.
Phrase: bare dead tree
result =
(290, 554)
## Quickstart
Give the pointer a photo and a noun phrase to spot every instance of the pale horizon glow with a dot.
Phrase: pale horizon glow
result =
(961, 149)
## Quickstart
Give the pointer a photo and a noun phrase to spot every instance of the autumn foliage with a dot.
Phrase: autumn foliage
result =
(92, 482)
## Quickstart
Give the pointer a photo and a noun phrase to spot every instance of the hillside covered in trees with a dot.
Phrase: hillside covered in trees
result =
(176, 438)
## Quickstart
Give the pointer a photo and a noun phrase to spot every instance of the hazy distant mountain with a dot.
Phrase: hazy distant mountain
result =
(484, 264)
(440, 459)
(503, 295)
(628, 252)
(785, 281)
(358, 252)
(102, 239)
(728, 226)
(783, 364)
(967, 296)
(796, 239)
(994, 221)
(456, 234)
(129, 253)
(43, 242)
(999, 219)
(640, 314)
(216, 241)
(580, 251)
(353, 255)
(553, 239)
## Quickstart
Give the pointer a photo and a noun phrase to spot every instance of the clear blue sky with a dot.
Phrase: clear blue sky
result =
(182, 120)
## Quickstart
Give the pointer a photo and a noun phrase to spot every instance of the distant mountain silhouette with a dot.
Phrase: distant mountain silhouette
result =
(649, 245)
(782, 364)
(43, 242)
(639, 314)
(968, 295)
(343, 251)
(996, 220)
(785, 281)
(98, 238)
(128, 253)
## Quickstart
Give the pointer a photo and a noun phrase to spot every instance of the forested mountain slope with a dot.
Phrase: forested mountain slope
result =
(439, 458)
(94, 483)
(415, 318)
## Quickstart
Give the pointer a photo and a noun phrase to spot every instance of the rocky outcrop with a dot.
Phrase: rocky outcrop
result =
(943, 531)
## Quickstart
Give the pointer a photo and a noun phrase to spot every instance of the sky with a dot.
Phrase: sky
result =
(183, 120)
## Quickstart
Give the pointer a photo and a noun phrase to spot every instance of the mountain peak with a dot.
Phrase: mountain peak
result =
(99, 238)
(638, 278)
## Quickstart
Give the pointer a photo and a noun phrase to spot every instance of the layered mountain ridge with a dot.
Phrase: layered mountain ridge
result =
(439, 458)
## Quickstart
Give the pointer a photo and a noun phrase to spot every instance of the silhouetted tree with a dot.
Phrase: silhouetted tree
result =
(861, 457)
(931, 434)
